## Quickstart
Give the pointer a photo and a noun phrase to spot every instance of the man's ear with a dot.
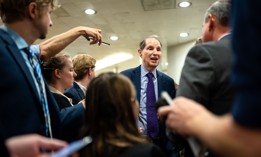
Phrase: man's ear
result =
(212, 23)
(32, 10)
(140, 52)
(57, 73)
(89, 72)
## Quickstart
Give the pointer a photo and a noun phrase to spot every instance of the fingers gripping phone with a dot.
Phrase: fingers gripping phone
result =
(73, 147)
(193, 143)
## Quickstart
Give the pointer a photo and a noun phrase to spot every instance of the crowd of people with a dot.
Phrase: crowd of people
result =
(50, 99)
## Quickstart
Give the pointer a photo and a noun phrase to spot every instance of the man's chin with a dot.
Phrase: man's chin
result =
(154, 65)
(42, 36)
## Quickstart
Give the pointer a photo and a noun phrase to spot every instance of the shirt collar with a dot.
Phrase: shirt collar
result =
(226, 34)
(83, 88)
(19, 41)
(54, 90)
(144, 72)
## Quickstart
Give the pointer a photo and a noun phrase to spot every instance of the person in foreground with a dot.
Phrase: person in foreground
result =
(27, 105)
(111, 119)
(238, 133)
(205, 77)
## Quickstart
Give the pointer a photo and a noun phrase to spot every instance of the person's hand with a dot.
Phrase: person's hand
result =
(92, 34)
(185, 116)
(30, 145)
(140, 130)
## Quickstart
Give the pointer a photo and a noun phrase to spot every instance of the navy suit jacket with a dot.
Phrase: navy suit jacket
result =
(165, 83)
(61, 101)
(75, 93)
(20, 108)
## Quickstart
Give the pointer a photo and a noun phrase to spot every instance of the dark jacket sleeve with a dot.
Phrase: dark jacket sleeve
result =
(72, 120)
(3, 149)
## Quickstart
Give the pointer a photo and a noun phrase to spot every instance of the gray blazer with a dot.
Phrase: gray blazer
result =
(205, 76)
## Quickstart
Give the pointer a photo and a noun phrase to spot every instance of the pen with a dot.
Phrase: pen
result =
(103, 43)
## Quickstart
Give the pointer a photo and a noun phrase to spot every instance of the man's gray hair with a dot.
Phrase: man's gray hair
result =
(142, 44)
(221, 10)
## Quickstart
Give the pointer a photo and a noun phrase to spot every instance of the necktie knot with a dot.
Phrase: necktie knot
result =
(150, 75)
(27, 52)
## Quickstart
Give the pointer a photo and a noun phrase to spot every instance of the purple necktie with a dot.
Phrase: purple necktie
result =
(152, 117)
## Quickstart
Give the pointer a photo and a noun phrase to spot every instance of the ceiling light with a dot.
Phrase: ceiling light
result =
(184, 4)
(114, 37)
(183, 34)
(112, 59)
(90, 11)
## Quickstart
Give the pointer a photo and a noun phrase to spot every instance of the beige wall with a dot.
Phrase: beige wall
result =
(176, 58)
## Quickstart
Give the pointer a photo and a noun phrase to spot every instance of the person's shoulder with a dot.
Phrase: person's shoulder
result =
(129, 71)
(167, 77)
(5, 38)
(73, 89)
(58, 96)
(69, 90)
(225, 41)
(203, 50)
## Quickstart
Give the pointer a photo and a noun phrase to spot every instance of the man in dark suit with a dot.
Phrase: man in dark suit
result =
(84, 67)
(150, 53)
(27, 105)
(205, 75)
(237, 134)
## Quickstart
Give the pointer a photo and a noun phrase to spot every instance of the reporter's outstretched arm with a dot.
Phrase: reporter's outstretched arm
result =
(31, 145)
(57, 43)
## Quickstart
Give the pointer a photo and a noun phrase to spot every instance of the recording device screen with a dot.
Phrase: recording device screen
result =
(73, 147)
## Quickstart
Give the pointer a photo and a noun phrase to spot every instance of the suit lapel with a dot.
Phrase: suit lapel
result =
(159, 82)
(79, 90)
(136, 79)
(15, 53)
